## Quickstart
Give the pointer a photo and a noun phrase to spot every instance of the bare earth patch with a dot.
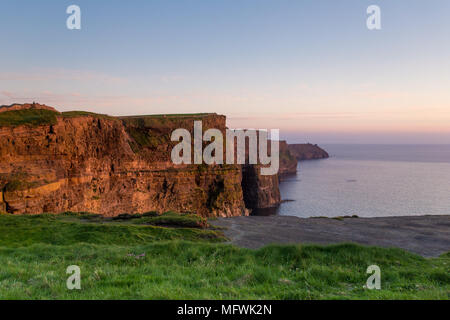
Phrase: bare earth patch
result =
(428, 236)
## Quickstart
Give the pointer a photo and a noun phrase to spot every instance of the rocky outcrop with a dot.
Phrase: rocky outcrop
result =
(87, 162)
(307, 151)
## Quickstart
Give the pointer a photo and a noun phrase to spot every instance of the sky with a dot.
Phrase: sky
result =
(310, 68)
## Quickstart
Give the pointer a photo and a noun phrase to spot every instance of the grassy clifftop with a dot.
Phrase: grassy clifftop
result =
(35, 115)
(71, 228)
(131, 258)
(32, 117)
(38, 117)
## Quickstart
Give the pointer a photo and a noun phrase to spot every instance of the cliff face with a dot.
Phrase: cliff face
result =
(307, 151)
(259, 191)
(288, 162)
(86, 162)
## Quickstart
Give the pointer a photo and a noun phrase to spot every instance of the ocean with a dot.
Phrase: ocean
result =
(370, 181)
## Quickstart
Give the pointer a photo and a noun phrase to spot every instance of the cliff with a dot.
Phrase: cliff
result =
(288, 162)
(259, 191)
(307, 151)
(80, 161)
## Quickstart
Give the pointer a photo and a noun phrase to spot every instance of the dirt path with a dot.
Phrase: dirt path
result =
(428, 236)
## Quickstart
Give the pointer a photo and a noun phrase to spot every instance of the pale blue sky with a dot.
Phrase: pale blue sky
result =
(308, 67)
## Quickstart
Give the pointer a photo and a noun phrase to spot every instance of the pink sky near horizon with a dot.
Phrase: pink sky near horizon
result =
(419, 124)
(370, 111)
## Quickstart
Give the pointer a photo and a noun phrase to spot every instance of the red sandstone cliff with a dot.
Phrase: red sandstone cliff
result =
(260, 191)
(85, 162)
(80, 161)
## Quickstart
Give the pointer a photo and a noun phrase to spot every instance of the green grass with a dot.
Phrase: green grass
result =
(168, 219)
(69, 229)
(37, 117)
(142, 138)
(31, 117)
(74, 114)
(121, 259)
(175, 220)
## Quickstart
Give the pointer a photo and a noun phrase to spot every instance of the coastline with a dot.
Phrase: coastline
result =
(427, 236)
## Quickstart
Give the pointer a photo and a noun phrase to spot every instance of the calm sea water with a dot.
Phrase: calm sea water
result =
(371, 181)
